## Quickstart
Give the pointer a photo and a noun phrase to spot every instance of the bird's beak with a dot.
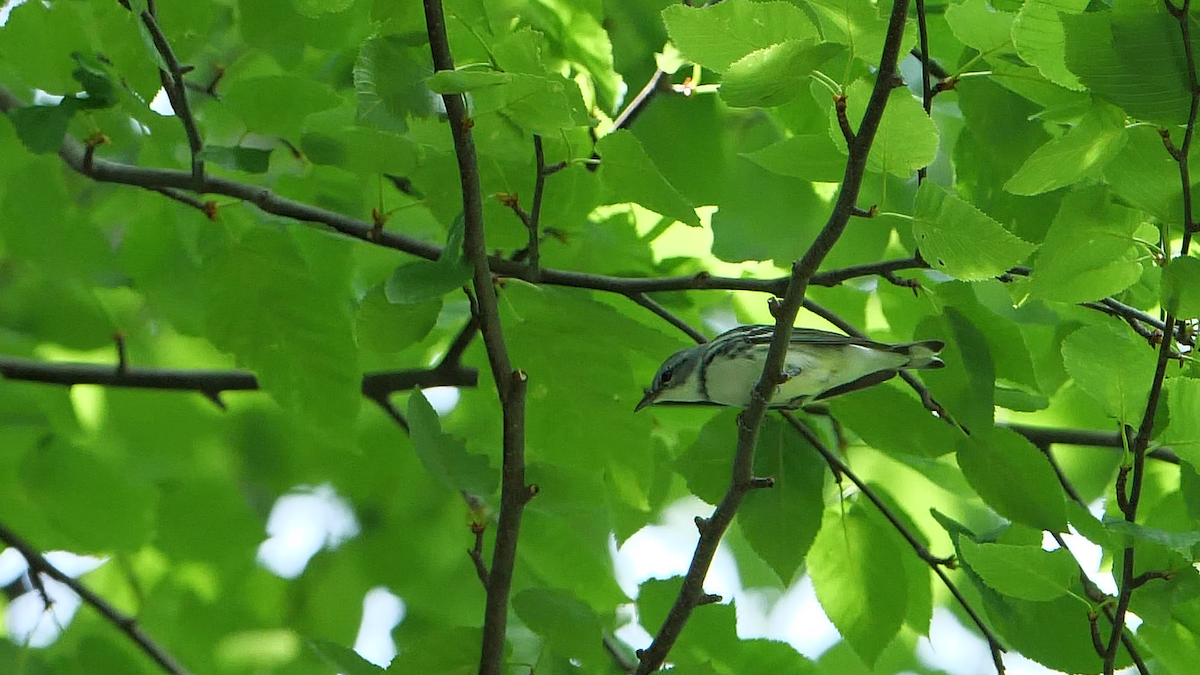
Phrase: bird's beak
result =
(648, 399)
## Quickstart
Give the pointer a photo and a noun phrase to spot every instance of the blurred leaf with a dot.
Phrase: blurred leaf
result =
(980, 27)
(446, 457)
(41, 128)
(386, 327)
(346, 660)
(93, 504)
(250, 160)
(264, 306)
(276, 105)
(1180, 542)
(567, 624)
(959, 240)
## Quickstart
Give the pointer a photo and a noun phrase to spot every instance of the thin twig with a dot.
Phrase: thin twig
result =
(173, 84)
(934, 562)
(476, 553)
(645, 301)
(926, 92)
(1145, 429)
(510, 384)
(123, 622)
(749, 421)
(535, 215)
(639, 102)
(1089, 437)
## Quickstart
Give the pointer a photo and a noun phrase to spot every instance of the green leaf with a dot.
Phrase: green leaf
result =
(545, 105)
(855, 576)
(389, 82)
(250, 160)
(276, 105)
(569, 626)
(1183, 429)
(345, 660)
(706, 463)
(1179, 542)
(876, 413)
(774, 75)
(444, 456)
(450, 650)
(1115, 368)
(421, 281)
(1133, 57)
(1014, 478)
(362, 150)
(981, 27)
(462, 81)
(907, 138)
(856, 23)
(386, 327)
(41, 128)
(1023, 571)
(812, 157)
(316, 9)
(1088, 252)
(715, 36)
(1181, 288)
(959, 240)
(1040, 38)
(1083, 151)
(781, 522)
(1146, 177)
(629, 175)
(287, 325)
(94, 503)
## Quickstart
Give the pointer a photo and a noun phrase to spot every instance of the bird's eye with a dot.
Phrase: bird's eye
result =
(666, 376)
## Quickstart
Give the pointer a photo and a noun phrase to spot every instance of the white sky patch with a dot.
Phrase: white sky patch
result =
(161, 104)
(302, 523)
(27, 619)
(443, 399)
(382, 611)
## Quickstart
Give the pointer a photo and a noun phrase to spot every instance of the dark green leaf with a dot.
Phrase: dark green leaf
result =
(776, 74)
(446, 457)
(631, 176)
(569, 625)
(1026, 572)
(1113, 367)
(1014, 478)
(250, 160)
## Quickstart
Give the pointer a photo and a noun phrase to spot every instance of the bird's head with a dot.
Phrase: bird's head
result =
(677, 381)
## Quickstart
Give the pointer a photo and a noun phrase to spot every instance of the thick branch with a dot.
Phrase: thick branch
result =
(124, 623)
(751, 419)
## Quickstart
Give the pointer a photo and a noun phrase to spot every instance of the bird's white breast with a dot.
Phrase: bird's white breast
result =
(810, 371)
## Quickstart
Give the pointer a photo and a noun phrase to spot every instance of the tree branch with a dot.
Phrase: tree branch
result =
(653, 86)
(123, 622)
(510, 384)
(750, 419)
(1145, 429)
(926, 92)
(173, 84)
(377, 385)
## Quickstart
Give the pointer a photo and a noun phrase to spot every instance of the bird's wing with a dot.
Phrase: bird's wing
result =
(762, 334)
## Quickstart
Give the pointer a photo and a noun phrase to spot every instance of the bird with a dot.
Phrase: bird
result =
(819, 365)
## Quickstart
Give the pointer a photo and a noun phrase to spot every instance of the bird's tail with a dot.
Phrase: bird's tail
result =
(923, 354)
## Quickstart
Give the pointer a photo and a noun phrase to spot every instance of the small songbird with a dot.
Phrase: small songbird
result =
(819, 365)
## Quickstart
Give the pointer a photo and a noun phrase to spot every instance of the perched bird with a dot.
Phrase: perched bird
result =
(819, 365)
